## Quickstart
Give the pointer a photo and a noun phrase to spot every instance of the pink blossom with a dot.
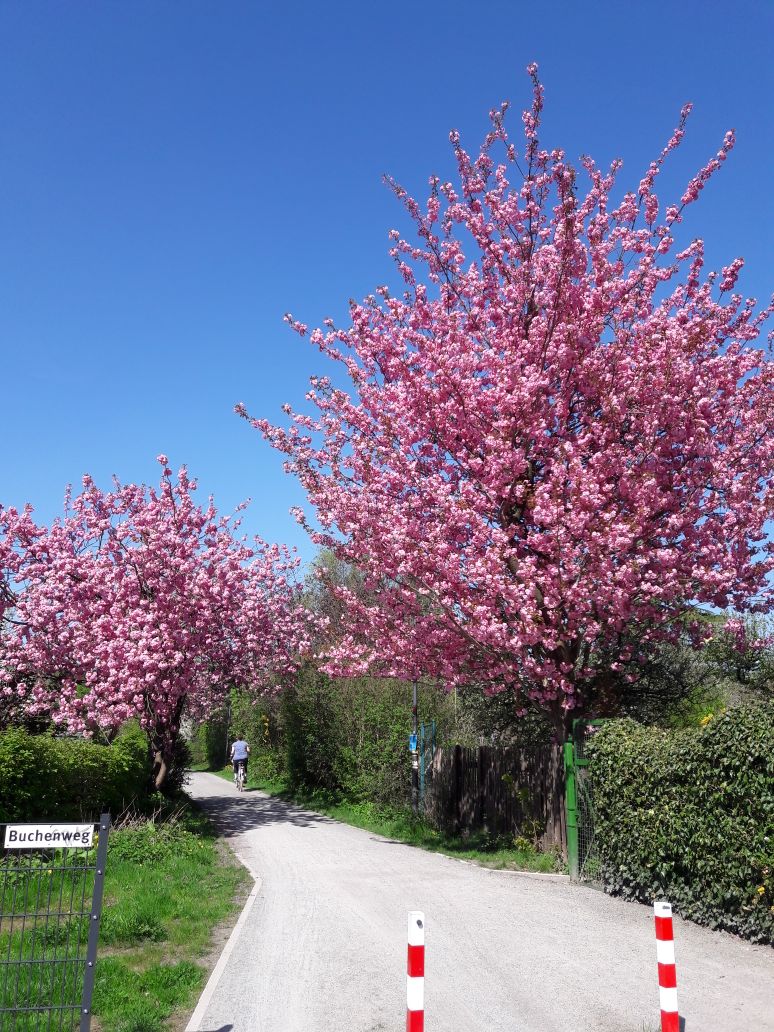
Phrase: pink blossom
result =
(148, 602)
(558, 438)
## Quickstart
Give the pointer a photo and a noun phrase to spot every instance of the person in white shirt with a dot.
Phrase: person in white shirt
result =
(240, 751)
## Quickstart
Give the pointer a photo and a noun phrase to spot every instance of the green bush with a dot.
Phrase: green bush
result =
(688, 816)
(266, 766)
(348, 738)
(42, 777)
(208, 742)
(151, 842)
(177, 771)
(344, 738)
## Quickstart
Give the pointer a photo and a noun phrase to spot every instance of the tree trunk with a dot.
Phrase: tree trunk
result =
(160, 768)
(162, 738)
(561, 720)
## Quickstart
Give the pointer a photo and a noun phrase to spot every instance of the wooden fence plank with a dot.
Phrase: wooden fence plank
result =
(506, 792)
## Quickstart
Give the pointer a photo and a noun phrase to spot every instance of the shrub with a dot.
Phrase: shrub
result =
(177, 771)
(266, 766)
(42, 777)
(313, 734)
(151, 842)
(208, 742)
(348, 738)
(688, 815)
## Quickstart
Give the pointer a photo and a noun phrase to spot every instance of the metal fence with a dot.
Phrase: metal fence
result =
(582, 853)
(427, 746)
(50, 906)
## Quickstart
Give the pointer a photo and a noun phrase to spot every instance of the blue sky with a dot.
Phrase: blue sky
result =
(174, 176)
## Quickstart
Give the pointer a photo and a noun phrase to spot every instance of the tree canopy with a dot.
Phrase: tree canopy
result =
(140, 603)
(557, 438)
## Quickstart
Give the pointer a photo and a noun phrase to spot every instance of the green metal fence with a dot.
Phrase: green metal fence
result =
(582, 854)
(426, 756)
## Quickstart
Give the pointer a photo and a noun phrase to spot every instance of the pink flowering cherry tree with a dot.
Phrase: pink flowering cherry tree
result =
(555, 439)
(140, 603)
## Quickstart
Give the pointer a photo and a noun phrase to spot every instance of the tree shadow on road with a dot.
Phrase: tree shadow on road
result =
(233, 815)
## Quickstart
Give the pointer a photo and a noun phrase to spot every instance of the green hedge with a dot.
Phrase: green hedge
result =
(69, 779)
(345, 738)
(208, 742)
(688, 816)
(348, 738)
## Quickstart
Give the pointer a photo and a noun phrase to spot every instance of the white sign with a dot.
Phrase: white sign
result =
(48, 836)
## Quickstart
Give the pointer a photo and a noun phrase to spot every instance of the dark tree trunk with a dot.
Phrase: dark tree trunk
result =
(162, 739)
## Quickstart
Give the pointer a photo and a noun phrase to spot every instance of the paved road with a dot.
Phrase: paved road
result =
(323, 948)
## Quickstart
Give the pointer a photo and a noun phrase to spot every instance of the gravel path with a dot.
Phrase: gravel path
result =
(323, 947)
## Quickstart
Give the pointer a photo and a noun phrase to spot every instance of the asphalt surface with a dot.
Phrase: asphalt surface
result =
(323, 946)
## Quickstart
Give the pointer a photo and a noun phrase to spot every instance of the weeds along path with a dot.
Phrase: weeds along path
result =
(323, 948)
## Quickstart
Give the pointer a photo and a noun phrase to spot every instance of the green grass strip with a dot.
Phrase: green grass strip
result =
(166, 888)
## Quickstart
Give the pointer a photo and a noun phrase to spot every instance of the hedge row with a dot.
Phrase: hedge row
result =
(69, 779)
(346, 738)
(688, 816)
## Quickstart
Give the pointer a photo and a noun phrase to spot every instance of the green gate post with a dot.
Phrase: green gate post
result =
(571, 804)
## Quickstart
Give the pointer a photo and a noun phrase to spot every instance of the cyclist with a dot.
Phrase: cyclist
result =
(240, 750)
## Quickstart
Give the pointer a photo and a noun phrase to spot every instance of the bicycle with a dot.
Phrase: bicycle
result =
(240, 776)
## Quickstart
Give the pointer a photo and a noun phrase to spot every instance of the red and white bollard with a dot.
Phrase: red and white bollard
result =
(415, 973)
(667, 974)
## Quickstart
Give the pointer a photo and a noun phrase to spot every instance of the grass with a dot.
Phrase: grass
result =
(401, 825)
(167, 886)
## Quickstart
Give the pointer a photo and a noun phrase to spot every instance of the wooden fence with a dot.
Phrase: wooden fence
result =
(507, 791)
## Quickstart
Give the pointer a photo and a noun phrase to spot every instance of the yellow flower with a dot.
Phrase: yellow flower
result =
(705, 720)
(761, 889)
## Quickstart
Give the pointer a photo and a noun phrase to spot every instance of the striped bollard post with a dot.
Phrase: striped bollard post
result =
(667, 973)
(415, 973)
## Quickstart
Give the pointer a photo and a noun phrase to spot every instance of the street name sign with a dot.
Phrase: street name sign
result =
(48, 836)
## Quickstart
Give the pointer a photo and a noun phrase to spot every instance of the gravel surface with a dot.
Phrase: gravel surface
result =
(324, 946)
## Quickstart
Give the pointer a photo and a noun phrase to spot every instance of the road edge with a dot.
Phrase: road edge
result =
(196, 1019)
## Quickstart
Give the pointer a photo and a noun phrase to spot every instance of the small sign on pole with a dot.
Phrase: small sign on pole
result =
(412, 743)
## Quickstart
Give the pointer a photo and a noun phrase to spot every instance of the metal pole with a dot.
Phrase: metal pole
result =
(228, 724)
(571, 804)
(422, 766)
(96, 912)
(414, 755)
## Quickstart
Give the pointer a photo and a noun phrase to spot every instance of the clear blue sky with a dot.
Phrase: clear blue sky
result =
(174, 176)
